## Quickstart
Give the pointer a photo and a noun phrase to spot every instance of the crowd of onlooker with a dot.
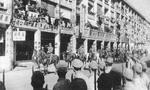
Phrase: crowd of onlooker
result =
(32, 12)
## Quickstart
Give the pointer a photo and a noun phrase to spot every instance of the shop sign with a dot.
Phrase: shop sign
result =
(86, 32)
(5, 18)
(19, 35)
(82, 19)
(31, 25)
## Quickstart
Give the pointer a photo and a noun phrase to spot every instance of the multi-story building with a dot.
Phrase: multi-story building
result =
(99, 24)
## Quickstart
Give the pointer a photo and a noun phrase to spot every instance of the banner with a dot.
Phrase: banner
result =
(19, 35)
(82, 18)
(5, 18)
(31, 25)
(33, 14)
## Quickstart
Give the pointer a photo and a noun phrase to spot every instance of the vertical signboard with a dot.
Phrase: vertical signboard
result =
(82, 18)
(73, 14)
(19, 35)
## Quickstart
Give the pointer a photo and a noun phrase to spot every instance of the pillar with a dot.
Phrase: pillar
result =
(95, 45)
(108, 45)
(102, 45)
(57, 44)
(7, 61)
(74, 43)
(115, 45)
(37, 40)
(86, 46)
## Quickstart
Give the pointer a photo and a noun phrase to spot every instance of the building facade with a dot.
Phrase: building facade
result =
(67, 24)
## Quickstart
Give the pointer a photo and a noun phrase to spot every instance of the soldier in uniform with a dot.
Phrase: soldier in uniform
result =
(93, 78)
(62, 82)
(41, 55)
(77, 66)
(49, 53)
(81, 54)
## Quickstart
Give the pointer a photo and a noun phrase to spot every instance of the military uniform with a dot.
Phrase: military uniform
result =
(62, 83)
(76, 63)
(94, 66)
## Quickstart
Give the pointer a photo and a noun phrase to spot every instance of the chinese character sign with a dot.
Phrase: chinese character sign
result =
(19, 35)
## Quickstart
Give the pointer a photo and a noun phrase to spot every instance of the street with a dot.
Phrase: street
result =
(20, 78)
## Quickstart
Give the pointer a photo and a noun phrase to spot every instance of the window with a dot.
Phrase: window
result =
(2, 42)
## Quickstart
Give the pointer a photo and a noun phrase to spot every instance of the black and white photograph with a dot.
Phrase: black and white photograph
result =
(74, 44)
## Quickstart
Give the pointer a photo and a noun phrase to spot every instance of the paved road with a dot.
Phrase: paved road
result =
(21, 79)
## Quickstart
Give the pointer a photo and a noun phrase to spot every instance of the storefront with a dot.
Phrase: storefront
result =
(80, 42)
(111, 45)
(99, 45)
(106, 45)
(64, 44)
(47, 38)
(90, 44)
(24, 49)
(2, 42)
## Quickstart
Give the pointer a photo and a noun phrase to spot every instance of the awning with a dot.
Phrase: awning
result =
(93, 23)
(65, 13)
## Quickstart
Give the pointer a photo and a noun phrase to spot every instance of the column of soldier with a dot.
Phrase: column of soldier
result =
(102, 75)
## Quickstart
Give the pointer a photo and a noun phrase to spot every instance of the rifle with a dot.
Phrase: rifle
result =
(4, 80)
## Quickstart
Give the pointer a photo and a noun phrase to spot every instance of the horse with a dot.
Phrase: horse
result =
(69, 57)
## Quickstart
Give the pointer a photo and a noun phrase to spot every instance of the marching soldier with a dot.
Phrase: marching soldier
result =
(62, 82)
(93, 77)
(77, 66)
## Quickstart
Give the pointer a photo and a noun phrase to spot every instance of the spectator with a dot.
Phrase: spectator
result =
(129, 85)
(37, 81)
(137, 68)
(62, 82)
(78, 84)
(144, 77)
(105, 81)
(110, 79)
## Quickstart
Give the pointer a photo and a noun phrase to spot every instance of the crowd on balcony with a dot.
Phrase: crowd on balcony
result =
(31, 12)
